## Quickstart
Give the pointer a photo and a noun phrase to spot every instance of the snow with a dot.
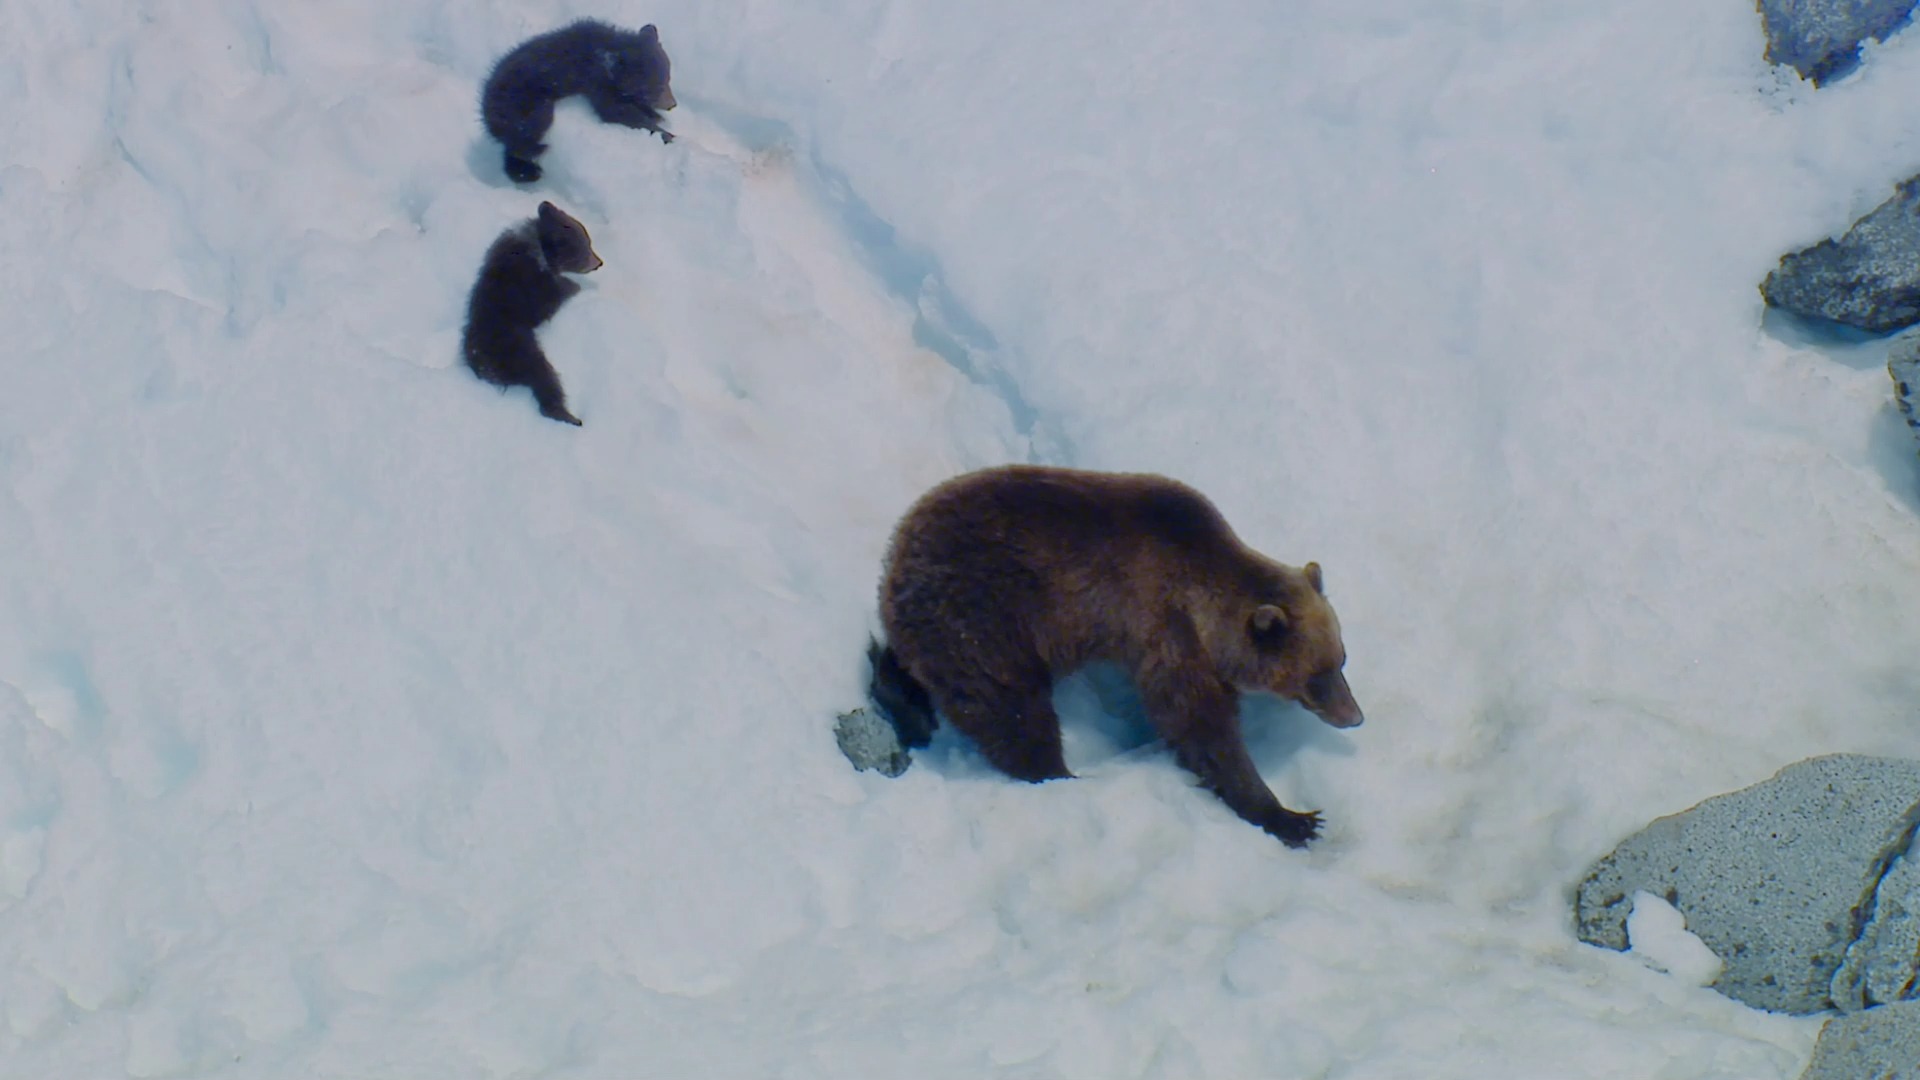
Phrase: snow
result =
(356, 721)
(1657, 934)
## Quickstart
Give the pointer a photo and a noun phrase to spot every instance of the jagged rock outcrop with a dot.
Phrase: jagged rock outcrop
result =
(1880, 965)
(1903, 363)
(1821, 38)
(1791, 882)
(1869, 278)
(1872, 1045)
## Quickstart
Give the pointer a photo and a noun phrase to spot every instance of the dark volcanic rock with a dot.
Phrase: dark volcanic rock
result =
(1869, 278)
(1821, 38)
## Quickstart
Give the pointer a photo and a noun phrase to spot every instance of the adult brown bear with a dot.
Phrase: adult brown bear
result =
(1000, 581)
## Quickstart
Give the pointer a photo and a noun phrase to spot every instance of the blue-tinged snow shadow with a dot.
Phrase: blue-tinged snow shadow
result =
(1894, 450)
(943, 325)
(1276, 730)
(486, 162)
(1102, 719)
(1849, 345)
(67, 670)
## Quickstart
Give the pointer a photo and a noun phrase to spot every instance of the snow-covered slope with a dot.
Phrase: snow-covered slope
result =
(356, 721)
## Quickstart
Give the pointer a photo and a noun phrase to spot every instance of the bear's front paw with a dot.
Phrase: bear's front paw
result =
(1295, 829)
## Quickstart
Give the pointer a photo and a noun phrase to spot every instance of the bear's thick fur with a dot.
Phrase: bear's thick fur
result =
(519, 288)
(1000, 581)
(624, 74)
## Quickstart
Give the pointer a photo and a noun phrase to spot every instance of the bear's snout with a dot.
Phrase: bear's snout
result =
(1331, 699)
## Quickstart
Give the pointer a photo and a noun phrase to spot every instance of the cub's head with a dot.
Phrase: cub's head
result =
(642, 71)
(1291, 646)
(565, 243)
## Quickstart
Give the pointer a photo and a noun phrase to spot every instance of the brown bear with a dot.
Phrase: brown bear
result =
(519, 288)
(1000, 581)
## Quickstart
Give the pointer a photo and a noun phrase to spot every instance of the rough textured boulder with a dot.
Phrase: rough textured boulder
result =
(1778, 879)
(1903, 363)
(1873, 1045)
(1821, 38)
(1869, 278)
(1880, 965)
(868, 740)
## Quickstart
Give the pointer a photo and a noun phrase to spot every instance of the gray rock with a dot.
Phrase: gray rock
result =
(1881, 963)
(869, 741)
(1869, 278)
(1777, 879)
(1879, 1044)
(1903, 363)
(1821, 38)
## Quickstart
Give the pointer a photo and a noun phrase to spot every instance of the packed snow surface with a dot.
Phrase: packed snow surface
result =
(1657, 934)
(355, 721)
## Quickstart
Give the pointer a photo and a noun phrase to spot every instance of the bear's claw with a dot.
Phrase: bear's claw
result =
(1296, 830)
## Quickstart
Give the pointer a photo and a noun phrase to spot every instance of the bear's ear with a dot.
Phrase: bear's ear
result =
(1268, 625)
(1313, 578)
(547, 211)
(648, 33)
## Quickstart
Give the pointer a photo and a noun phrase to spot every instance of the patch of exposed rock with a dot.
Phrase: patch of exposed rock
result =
(1800, 884)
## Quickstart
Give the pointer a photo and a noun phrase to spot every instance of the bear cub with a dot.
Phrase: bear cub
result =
(623, 73)
(1001, 581)
(519, 288)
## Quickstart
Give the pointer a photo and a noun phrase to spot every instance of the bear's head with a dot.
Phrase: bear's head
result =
(1290, 645)
(642, 71)
(565, 243)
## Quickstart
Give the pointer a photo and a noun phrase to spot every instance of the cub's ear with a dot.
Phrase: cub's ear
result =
(1268, 625)
(1313, 578)
(547, 211)
(649, 32)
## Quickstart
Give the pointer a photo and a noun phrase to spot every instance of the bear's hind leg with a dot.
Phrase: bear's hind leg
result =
(519, 132)
(545, 384)
(1014, 726)
(900, 696)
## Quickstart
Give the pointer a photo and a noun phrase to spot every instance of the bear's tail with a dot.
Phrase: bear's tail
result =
(900, 696)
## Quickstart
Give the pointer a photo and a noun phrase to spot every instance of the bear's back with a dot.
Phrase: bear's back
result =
(517, 289)
(569, 60)
(555, 63)
(1055, 540)
(1087, 563)
(1067, 511)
